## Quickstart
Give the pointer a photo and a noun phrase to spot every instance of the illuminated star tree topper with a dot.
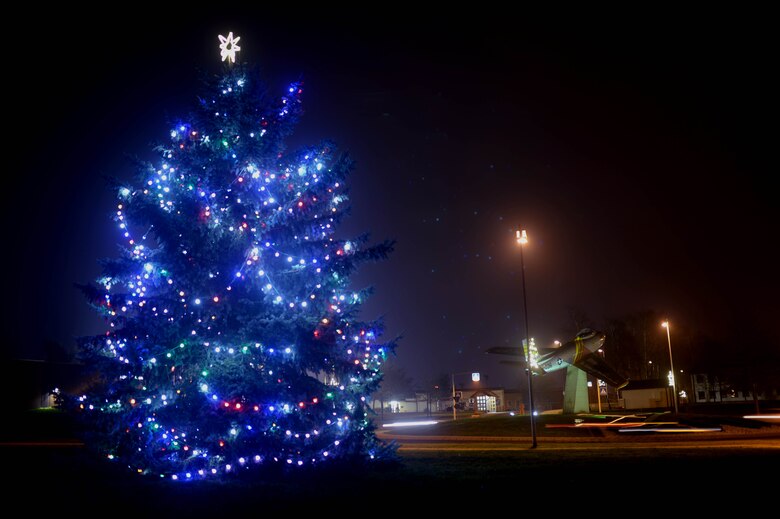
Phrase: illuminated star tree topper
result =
(228, 47)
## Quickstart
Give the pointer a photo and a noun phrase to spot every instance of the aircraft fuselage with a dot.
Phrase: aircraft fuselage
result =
(570, 353)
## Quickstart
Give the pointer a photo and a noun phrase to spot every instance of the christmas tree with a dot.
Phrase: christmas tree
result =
(233, 338)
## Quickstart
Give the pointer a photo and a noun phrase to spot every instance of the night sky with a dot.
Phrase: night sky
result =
(635, 153)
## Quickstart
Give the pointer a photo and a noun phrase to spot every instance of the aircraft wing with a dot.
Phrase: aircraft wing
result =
(507, 350)
(595, 365)
(512, 362)
(518, 352)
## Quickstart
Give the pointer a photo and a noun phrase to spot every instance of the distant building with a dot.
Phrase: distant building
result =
(709, 389)
(416, 404)
(484, 400)
(475, 399)
(472, 399)
(647, 394)
(30, 384)
(515, 400)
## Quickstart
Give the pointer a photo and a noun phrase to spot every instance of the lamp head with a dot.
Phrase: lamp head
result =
(522, 237)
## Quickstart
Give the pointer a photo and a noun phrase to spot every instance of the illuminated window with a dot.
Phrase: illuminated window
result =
(486, 403)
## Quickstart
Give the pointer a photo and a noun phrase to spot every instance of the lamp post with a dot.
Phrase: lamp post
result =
(522, 239)
(598, 384)
(454, 403)
(665, 324)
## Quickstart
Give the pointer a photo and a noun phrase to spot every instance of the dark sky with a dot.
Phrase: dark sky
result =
(635, 152)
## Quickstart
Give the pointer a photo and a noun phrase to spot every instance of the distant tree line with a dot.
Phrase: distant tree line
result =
(637, 346)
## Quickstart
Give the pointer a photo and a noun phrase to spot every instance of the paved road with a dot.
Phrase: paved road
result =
(522, 445)
(747, 440)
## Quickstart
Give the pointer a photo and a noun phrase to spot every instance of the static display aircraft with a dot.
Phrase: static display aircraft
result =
(582, 352)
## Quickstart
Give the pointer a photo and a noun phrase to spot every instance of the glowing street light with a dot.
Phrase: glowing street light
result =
(665, 324)
(522, 240)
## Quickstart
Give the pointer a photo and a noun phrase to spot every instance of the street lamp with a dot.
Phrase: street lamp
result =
(454, 411)
(474, 378)
(598, 384)
(665, 324)
(522, 239)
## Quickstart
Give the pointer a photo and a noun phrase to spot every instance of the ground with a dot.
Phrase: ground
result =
(580, 471)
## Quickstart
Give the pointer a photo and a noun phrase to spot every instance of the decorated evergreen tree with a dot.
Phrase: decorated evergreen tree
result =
(233, 338)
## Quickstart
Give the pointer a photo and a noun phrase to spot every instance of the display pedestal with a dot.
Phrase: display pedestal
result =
(575, 392)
